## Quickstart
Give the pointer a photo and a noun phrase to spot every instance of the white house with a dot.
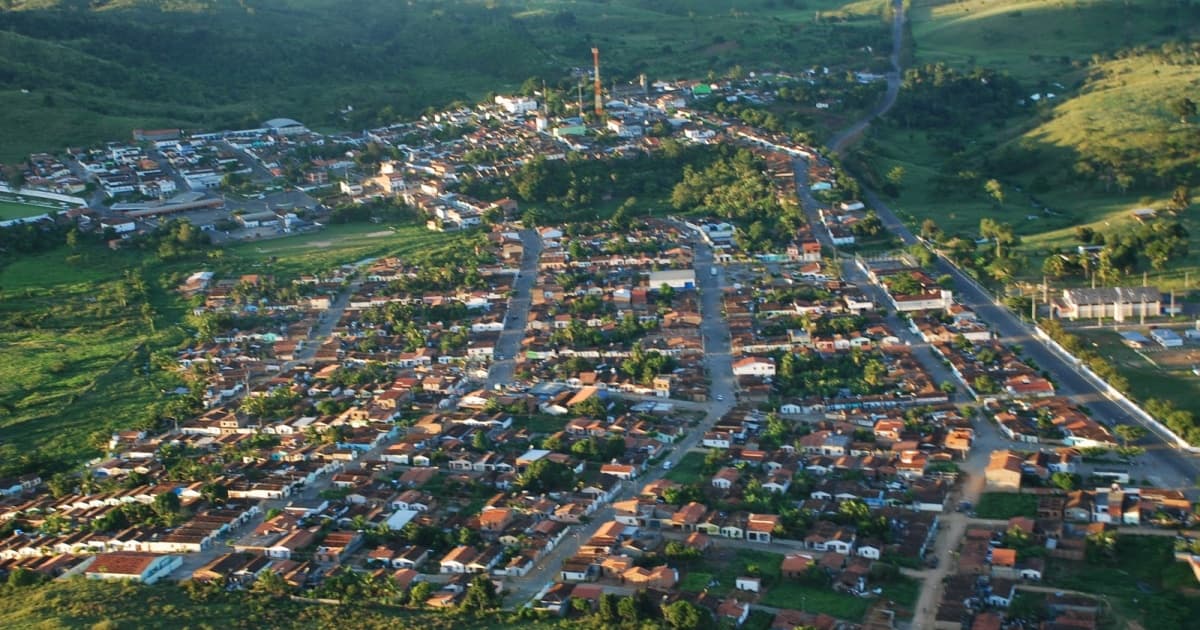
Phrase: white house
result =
(136, 566)
(750, 584)
(754, 366)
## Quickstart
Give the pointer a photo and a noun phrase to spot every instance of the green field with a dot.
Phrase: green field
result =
(1172, 381)
(16, 210)
(1131, 581)
(73, 359)
(1006, 505)
(687, 469)
(92, 74)
(1039, 39)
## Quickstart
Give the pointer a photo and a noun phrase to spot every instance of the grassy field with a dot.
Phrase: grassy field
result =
(687, 469)
(1037, 40)
(1152, 373)
(1103, 106)
(1004, 505)
(14, 210)
(334, 245)
(1131, 582)
(73, 359)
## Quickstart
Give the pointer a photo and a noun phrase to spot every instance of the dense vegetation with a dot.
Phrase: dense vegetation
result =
(93, 70)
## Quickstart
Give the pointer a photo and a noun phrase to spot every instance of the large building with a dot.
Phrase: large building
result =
(1119, 303)
(137, 566)
(674, 278)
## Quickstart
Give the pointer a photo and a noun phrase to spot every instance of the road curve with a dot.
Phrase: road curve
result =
(844, 138)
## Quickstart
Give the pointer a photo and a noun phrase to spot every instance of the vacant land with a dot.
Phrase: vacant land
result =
(1131, 577)
(1152, 373)
(80, 603)
(1004, 505)
(1038, 40)
(687, 469)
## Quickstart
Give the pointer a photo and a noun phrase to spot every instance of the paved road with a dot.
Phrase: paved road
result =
(847, 136)
(509, 343)
(719, 363)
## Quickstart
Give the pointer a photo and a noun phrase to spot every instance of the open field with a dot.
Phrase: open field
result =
(1006, 505)
(1132, 581)
(75, 361)
(1036, 40)
(15, 210)
(1153, 372)
(687, 469)
(93, 75)
(1108, 143)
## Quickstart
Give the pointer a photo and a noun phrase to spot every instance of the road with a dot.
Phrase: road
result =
(1166, 465)
(715, 331)
(509, 343)
(847, 136)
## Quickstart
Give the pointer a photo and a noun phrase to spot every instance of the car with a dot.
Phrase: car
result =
(667, 465)
(720, 397)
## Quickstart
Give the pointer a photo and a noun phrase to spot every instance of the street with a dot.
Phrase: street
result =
(720, 368)
(509, 343)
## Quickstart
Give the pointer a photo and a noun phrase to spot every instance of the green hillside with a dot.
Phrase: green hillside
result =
(75, 72)
(1106, 141)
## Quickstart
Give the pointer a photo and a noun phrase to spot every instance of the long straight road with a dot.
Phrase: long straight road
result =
(509, 343)
(719, 363)
(1163, 463)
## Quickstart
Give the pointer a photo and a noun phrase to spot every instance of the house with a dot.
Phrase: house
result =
(754, 366)
(137, 566)
(457, 559)
(1004, 471)
(674, 278)
(750, 584)
(1166, 337)
(725, 478)
(733, 610)
(795, 565)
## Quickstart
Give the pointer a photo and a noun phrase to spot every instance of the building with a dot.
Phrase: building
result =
(1117, 303)
(674, 278)
(137, 566)
(285, 127)
(1166, 337)
(1004, 471)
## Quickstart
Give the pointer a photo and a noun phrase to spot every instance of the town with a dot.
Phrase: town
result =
(709, 405)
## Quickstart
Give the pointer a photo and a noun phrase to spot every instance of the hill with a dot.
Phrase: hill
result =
(75, 72)
(1070, 106)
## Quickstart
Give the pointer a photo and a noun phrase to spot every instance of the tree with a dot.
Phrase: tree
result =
(1181, 199)
(166, 505)
(1064, 481)
(995, 190)
(1183, 108)
(215, 493)
(684, 615)
(1129, 433)
(481, 595)
(419, 593)
(271, 584)
(545, 475)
